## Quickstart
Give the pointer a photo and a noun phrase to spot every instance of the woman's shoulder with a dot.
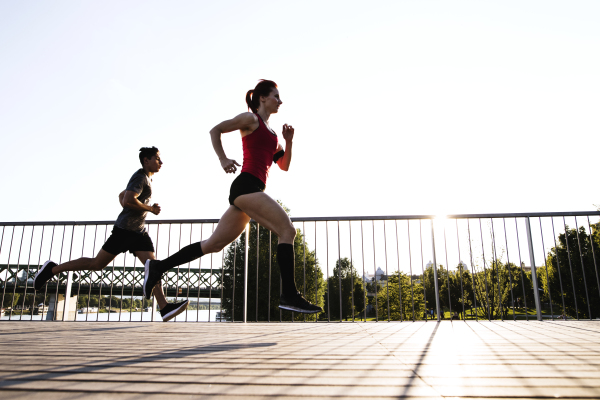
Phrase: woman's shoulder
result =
(247, 118)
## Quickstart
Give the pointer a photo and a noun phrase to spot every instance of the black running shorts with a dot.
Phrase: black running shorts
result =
(122, 240)
(246, 183)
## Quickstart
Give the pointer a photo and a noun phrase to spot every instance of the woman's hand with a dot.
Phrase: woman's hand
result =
(288, 133)
(229, 165)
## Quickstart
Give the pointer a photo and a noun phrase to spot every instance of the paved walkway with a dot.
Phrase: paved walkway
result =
(72, 360)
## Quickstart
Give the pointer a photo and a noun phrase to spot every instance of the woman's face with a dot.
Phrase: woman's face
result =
(272, 101)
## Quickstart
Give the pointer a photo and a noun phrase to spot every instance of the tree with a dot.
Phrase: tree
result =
(400, 310)
(306, 265)
(578, 271)
(352, 291)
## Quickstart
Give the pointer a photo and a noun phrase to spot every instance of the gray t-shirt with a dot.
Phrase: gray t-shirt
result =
(133, 220)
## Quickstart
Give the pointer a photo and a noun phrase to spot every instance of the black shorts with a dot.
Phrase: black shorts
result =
(122, 240)
(246, 183)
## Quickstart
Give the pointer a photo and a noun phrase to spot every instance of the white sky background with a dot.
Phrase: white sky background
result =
(399, 107)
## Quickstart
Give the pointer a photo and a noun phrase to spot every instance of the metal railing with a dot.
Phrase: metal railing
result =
(478, 266)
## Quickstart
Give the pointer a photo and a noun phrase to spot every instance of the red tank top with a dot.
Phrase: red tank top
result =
(259, 148)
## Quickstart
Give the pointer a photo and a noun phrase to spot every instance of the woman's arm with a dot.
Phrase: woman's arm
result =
(288, 135)
(242, 122)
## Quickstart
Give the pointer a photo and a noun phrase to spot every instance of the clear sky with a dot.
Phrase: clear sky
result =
(400, 107)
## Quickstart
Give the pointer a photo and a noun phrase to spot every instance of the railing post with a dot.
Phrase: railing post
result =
(435, 275)
(245, 299)
(536, 293)
(67, 303)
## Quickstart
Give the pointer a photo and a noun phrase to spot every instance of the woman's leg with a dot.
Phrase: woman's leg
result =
(267, 212)
(158, 290)
(231, 224)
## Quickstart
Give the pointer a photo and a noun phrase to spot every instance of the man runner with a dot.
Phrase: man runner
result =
(128, 234)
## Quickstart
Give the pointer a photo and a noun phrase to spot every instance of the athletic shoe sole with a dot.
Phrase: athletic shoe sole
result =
(176, 312)
(300, 310)
(41, 270)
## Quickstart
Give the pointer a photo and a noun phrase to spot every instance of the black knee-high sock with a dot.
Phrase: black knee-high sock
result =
(185, 255)
(285, 259)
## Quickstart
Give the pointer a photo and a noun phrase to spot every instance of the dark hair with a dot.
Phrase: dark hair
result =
(147, 152)
(263, 88)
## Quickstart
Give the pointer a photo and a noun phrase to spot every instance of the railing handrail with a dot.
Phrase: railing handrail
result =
(321, 219)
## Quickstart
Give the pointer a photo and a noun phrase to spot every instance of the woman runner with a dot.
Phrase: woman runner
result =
(247, 198)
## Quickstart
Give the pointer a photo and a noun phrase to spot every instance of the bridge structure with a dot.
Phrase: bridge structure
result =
(469, 306)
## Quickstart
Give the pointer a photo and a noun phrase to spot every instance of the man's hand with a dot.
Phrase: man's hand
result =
(155, 209)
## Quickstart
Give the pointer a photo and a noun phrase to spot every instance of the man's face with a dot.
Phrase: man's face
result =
(153, 164)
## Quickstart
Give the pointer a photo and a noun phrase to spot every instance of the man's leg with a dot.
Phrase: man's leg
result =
(158, 290)
(50, 269)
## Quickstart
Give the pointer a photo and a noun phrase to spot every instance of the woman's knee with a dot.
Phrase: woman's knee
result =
(288, 233)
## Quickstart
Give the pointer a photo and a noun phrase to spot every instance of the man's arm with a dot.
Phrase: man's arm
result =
(121, 197)
(130, 200)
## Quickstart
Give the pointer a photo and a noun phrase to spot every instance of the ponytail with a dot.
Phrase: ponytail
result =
(249, 101)
(263, 88)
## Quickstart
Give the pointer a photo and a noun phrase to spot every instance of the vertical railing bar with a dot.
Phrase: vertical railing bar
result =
(269, 291)
(101, 277)
(365, 288)
(512, 297)
(327, 266)
(90, 276)
(435, 275)
(304, 264)
(257, 264)
(399, 275)
(58, 276)
(412, 292)
(387, 281)
(132, 288)
(472, 271)
(462, 292)
(200, 276)
(447, 271)
(587, 298)
(339, 269)
(210, 279)
(245, 281)
(351, 268)
(69, 284)
(536, 292)
(189, 282)
(27, 274)
(8, 268)
(46, 286)
(17, 276)
(546, 264)
(487, 297)
(571, 267)
(423, 269)
(593, 254)
(38, 265)
(234, 278)
(7, 264)
(562, 295)
(497, 269)
(123, 284)
(375, 275)
(222, 274)
(81, 272)
(522, 272)
(177, 274)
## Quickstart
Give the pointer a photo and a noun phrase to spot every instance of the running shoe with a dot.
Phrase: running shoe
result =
(43, 275)
(151, 277)
(171, 310)
(299, 304)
